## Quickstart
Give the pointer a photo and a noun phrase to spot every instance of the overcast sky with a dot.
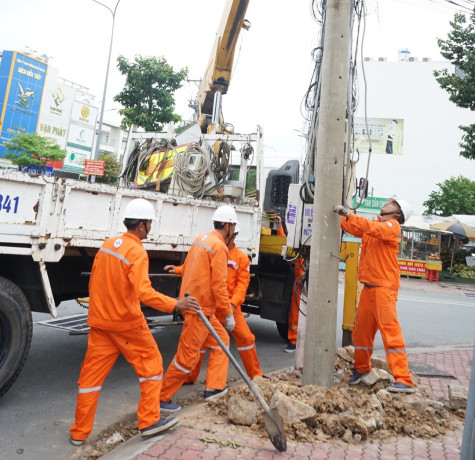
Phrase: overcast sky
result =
(272, 62)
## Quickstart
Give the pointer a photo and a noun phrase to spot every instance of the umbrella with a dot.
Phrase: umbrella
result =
(459, 229)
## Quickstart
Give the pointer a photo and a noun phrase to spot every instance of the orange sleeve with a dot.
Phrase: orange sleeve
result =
(179, 269)
(219, 275)
(242, 282)
(389, 230)
(139, 279)
(280, 232)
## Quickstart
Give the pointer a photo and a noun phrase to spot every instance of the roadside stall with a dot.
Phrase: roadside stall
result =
(419, 253)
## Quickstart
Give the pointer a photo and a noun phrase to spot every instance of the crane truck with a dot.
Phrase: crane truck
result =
(52, 227)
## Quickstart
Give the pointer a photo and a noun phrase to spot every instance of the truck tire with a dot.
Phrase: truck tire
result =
(283, 329)
(16, 327)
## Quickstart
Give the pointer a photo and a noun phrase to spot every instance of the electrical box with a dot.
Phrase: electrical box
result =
(298, 218)
(277, 186)
(293, 216)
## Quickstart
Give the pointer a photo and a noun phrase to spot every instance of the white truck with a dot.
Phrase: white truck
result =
(52, 227)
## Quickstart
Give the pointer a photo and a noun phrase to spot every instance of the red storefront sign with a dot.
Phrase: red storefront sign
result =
(94, 167)
(412, 267)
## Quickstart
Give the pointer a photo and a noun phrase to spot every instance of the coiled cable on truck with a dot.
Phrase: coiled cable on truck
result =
(220, 161)
(191, 167)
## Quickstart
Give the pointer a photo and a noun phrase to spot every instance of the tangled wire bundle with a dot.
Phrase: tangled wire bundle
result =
(191, 180)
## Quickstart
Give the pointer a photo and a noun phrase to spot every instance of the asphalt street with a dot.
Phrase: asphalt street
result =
(39, 408)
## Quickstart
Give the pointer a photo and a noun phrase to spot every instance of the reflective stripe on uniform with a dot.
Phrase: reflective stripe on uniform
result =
(293, 327)
(154, 377)
(89, 390)
(186, 371)
(204, 246)
(363, 348)
(112, 253)
(250, 347)
(395, 351)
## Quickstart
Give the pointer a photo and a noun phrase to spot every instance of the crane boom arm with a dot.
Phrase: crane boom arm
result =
(218, 72)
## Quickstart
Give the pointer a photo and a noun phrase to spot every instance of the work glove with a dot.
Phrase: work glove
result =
(341, 210)
(230, 323)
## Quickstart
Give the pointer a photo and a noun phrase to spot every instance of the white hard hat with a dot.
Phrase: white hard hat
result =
(226, 214)
(236, 229)
(405, 208)
(139, 209)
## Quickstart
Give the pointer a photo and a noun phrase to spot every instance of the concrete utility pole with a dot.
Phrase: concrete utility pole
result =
(320, 331)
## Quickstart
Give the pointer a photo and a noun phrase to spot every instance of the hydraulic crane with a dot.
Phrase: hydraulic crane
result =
(217, 77)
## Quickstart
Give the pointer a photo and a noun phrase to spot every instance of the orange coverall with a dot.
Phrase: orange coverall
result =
(204, 277)
(119, 282)
(237, 282)
(295, 299)
(379, 273)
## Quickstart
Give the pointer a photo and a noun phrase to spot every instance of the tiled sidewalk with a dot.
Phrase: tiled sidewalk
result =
(456, 362)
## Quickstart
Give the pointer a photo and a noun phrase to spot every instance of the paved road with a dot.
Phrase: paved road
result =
(37, 412)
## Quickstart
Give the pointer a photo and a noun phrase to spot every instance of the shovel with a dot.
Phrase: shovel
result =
(272, 419)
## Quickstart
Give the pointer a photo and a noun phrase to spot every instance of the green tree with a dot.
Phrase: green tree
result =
(111, 169)
(459, 49)
(455, 196)
(147, 97)
(31, 149)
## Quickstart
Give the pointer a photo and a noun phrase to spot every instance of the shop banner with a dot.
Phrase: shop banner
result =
(22, 81)
(371, 204)
(412, 267)
(94, 167)
(55, 112)
(386, 135)
(80, 136)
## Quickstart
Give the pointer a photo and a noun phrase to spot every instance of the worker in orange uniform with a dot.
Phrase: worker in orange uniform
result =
(204, 276)
(119, 282)
(295, 299)
(238, 282)
(379, 274)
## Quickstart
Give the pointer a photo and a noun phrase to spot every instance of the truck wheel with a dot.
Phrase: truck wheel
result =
(16, 327)
(283, 329)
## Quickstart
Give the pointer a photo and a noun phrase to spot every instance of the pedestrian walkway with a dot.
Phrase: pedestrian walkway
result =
(194, 439)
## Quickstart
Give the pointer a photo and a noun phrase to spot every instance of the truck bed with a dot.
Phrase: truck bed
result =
(44, 216)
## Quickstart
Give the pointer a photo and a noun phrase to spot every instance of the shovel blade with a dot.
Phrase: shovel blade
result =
(275, 429)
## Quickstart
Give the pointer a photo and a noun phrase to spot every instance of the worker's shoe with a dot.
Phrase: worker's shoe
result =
(76, 442)
(290, 348)
(400, 387)
(169, 406)
(211, 394)
(356, 378)
(162, 425)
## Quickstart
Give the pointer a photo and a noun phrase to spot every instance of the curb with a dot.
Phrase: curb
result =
(136, 446)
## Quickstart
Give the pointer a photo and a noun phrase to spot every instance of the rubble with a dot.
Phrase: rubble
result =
(457, 397)
(291, 410)
(313, 414)
(345, 413)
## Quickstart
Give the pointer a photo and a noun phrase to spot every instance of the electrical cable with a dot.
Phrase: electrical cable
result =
(191, 181)
(220, 161)
(365, 85)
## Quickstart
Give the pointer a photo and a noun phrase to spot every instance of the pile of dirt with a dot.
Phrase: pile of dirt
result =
(342, 413)
(350, 413)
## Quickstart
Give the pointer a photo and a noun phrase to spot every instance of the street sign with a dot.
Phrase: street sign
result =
(371, 204)
(94, 167)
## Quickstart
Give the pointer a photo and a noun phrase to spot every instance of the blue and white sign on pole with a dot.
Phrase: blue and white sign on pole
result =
(22, 79)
